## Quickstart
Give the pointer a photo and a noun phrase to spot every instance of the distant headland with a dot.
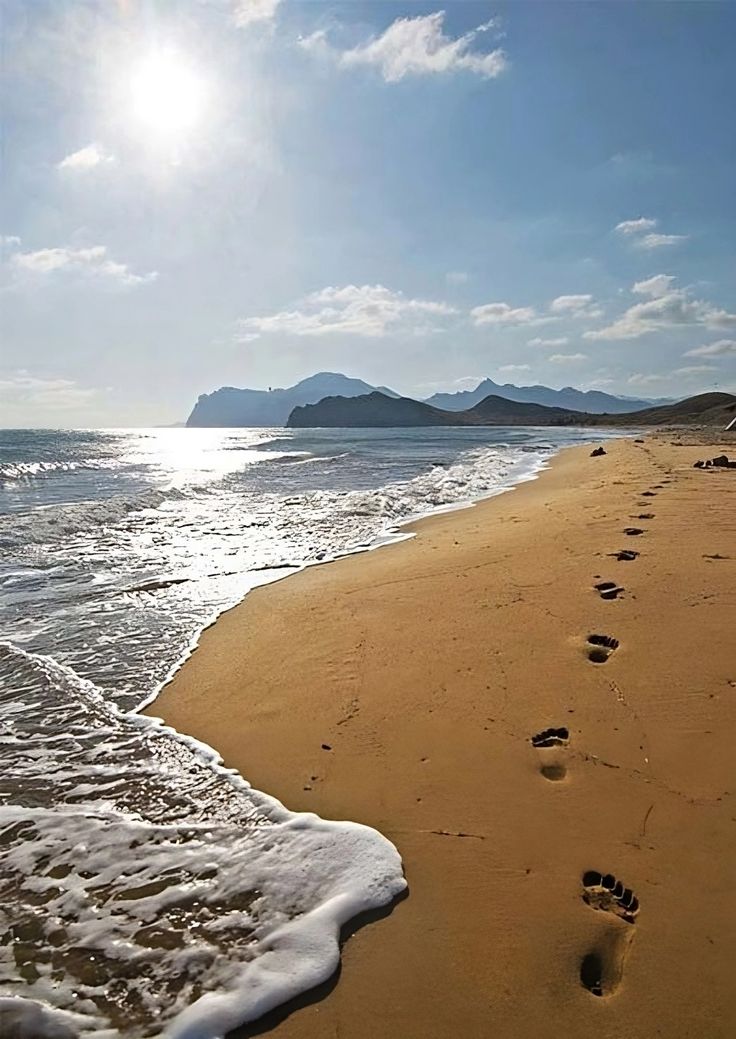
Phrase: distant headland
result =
(229, 406)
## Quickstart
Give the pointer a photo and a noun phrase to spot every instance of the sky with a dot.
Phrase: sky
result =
(245, 192)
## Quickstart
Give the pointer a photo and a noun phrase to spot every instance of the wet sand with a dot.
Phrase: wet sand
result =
(428, 666)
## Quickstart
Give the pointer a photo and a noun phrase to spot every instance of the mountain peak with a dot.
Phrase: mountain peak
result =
(230, 406)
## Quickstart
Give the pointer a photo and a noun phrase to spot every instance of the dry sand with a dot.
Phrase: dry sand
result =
(427, 666)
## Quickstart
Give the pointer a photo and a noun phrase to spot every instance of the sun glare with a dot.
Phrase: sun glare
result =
(167, 94)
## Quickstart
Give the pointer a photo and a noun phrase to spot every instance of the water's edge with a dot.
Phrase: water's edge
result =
(354, 869)
(394, 534)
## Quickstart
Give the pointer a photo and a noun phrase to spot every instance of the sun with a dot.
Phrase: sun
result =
(168, 95)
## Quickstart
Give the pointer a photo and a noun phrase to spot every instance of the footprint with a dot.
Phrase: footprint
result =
(649, 494)
(625, 555)
(644, 515)
(551, 738)
(603, 891)
(601, 647)
(601, 969)
(552, 767)
(608, 589)
(633, 531)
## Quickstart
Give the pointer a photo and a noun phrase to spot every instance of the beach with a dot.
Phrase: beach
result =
(402, 688)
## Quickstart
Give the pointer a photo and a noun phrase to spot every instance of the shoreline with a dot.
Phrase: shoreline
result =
(393, 534)
(426, 669)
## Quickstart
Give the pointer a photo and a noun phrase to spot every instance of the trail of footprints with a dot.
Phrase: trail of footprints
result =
(601, 968)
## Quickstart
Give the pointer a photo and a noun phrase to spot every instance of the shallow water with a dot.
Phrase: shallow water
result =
(145, 890)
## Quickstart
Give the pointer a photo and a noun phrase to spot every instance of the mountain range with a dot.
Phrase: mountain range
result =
(230, 406)
(592, 401)
(376, 410)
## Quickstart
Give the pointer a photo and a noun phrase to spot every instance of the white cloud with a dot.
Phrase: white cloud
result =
(721, 348)
(504, 314)
(85, 159)
(567, 358)
(641, 232)
(514, 368)
(91, 261)
(569, 304)
(656, 286)
(559, 341)
(599, 379)
(657, 241)
(696, 369)
(456, 277)
(635, 227)
(669, 309)
(23, 388)
(364, 310)
(9, 241)
(639, 379)
(246, 12)
(577, 306)
(416, 47)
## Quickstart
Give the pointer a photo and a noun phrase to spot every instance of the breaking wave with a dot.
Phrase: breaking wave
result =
(153, 891)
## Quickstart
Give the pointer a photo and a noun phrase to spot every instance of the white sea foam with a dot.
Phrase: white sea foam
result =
(145, 875)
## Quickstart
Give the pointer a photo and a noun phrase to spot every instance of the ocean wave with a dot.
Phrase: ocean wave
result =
(144, 873)
(477, 475)
(294, 460)
(27, 471)
(62, 520)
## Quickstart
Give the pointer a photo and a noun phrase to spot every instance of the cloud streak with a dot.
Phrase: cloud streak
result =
(558, 341)
(93, 261)
(575, 306)
(666, 308)
(567, 358)
(504, 314)
(635, 227)
(641, 232)
(362, 310)
(415, 47)
(23, 388)
(248, 12)
(85, 159)
(721, 348)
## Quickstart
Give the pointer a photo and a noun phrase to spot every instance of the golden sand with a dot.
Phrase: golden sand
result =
(427, 667)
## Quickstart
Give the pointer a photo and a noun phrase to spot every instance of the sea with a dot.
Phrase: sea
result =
(146, 890)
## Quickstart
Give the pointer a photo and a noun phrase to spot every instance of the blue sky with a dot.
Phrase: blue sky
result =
(243, 192)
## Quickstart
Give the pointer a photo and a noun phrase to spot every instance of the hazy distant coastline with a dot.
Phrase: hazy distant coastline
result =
(230, 406)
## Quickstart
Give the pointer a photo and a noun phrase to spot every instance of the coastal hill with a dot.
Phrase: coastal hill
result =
(230, 406)
(592, 401)
(705, 409)
(377, 410)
